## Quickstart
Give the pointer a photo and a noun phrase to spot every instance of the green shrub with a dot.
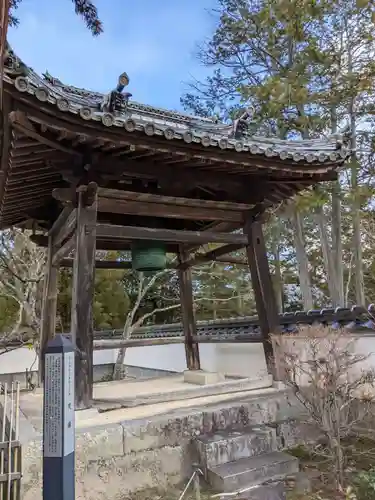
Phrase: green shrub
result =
(364, 485)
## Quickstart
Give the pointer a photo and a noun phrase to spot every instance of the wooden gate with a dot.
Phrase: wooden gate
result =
(10, 447)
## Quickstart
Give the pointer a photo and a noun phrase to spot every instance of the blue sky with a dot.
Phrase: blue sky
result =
(152, 40)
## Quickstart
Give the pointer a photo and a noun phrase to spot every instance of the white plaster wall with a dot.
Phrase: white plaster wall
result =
(305, 348)
(242, 360)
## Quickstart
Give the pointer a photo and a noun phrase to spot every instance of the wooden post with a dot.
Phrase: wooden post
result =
(49, 304)
(83, 294)
(263, 289)
(188, 316)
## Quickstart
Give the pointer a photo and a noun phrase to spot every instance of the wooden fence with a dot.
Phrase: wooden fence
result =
(10, 447)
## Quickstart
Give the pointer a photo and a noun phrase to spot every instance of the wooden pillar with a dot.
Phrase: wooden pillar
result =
(83, 294)
(188, 315)
(263, 288)
(49, 304)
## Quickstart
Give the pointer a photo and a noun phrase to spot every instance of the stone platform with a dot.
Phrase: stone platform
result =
(151, 445)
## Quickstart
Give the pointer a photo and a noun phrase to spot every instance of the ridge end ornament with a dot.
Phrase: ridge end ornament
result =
(117, 100)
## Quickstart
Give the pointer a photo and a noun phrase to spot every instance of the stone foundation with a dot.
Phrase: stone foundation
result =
(115, 459)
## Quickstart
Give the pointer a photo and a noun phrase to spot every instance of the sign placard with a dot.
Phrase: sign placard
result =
(68, 420)
(53, 394)
(58, 420)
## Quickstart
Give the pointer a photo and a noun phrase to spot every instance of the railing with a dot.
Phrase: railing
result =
(10, 447)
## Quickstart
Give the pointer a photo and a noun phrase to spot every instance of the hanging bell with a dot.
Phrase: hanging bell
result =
(148, 257)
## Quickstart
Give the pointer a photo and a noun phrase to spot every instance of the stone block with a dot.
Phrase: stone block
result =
(200, 377)
(252, 471)
(116, 478)
(156, 432)
(82, 416)
(225, 447)
(99, 443)
(292, 433)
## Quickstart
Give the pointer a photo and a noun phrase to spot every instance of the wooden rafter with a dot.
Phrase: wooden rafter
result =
(21, 122)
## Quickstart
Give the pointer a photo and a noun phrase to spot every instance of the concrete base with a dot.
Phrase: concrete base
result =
(200, 377)
(83, 415)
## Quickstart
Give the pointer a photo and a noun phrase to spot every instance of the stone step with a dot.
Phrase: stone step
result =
(224, 447)
(251, 471)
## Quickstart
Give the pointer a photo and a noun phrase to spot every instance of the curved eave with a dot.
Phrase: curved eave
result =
(310, 156)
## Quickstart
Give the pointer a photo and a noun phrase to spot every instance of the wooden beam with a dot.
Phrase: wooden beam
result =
(60, 221)
(175, 178)
(101, 244)
(109, 264)
(117, 194)
(188, 314)
(66, 230)
(82, 297)
(64, 251)
(49, 305)
(212, 254)
(263, 288)
(108, 205)
(109, 232)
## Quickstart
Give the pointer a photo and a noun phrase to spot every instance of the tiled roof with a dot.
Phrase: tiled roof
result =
(355, 319)
(116, 109)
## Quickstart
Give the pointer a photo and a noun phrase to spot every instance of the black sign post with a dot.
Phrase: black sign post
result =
(58, 420)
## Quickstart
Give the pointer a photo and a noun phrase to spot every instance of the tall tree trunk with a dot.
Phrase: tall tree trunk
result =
(337, 228)
(278, 280)
(356, 206)
(328, 258)
(302, 260)
(337, 243)
(357, 243)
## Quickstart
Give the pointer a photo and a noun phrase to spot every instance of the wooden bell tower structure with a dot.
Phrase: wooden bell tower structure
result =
(100, 172)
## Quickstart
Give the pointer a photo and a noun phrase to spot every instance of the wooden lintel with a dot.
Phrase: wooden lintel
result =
(110, 205)
(117, 194)
(109, 232)
(110, 264)
(63, 251)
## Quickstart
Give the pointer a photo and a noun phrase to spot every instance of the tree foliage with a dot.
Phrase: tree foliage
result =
(306, 69)
(83, 8)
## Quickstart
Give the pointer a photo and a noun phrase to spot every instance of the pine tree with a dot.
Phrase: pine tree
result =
(84, 8)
